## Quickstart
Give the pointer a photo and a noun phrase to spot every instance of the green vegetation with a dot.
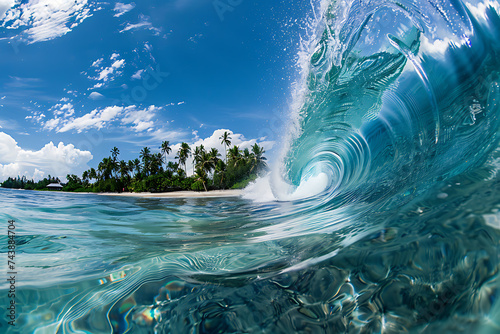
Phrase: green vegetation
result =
(23, 183)
(151, 172)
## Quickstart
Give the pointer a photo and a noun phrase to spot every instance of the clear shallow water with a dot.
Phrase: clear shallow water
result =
(99, 264)
(382, 218)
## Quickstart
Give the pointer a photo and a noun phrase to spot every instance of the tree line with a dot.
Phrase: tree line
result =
(24, 183)
(152, 172)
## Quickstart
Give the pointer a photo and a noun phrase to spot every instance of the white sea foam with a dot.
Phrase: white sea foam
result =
(269, 188)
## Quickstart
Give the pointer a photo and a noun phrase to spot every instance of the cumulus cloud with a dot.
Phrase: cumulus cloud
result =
(140, 118)
(105, 74)
(213, 141)
(55, 160)
(136, 118)
(4, 6)
(66, 109)
(95, 119)
(51, 124)
(43, 20)
(122, 8)
(37, 117)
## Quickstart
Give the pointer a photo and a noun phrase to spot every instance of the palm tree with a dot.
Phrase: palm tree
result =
(165, 149)
(114, 152)
(145, 156)
(92, 174)
(198, 152)
(131, 166)
(201, 176)
(220, 171)
(155, 163)
(235, 155)
(123, 169)
(172, 166)
(101, 168)
(145, 153)
(115, 167)
(105, 168)
(206, 162)
(226, 141)
(85, 176)
(183, 155)
(247, 157)
(214, 154)
(258, 156)
(137, 166)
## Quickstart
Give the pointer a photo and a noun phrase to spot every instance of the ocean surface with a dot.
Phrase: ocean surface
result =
(381, 216)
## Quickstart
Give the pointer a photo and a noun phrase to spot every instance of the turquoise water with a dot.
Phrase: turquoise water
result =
(381, 217)
(98, 264)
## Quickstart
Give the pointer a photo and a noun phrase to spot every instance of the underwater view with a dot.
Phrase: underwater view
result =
(379, 212)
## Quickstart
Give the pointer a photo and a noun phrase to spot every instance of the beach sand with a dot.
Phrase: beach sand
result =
(181, 194)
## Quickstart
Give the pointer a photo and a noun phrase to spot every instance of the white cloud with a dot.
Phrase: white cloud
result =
(436, 48)
(137, 119)
(63, 109)
(95, 119)
(138, 75)
(479, 10)
(109, 73)
(5, 5)
(105, 74)
(122, 8)
(144, 22)
(51, 124)
(57, 160)
(140, 118)
(95, 96)
(214, 142)
(8, 148)
(98, 62)
(36, 117)
(43, 20)
(195, 135)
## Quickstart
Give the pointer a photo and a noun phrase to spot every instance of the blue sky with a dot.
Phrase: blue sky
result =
(79, 77)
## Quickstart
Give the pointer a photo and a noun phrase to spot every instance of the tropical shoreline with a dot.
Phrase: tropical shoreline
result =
(153, 172)
(171, 194)
(180, 194)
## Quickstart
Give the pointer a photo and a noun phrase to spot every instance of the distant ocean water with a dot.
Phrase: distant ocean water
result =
(383, 216)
